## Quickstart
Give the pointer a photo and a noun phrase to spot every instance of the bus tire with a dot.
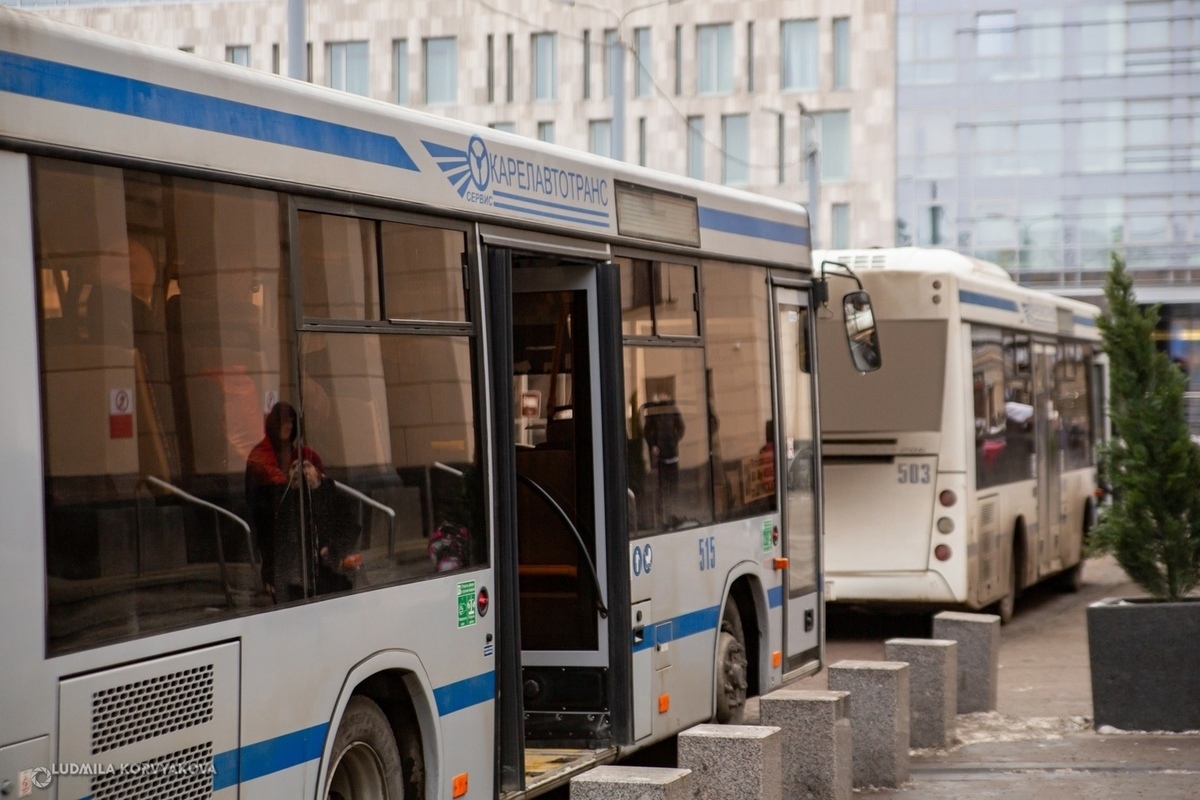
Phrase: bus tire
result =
(1006, 607)
(365, 761)
(1071, 579)
(731, 667)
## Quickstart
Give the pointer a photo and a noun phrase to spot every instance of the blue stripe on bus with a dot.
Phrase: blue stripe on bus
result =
(989, 300)
(1086, 322)
(278, 754)
(689, 624)
(746, 225)
(465, 693)
(548, 215)
(549, 204)
(49, 80)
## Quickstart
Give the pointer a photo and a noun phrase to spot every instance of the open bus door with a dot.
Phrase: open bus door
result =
(563, 698)
(799, 486)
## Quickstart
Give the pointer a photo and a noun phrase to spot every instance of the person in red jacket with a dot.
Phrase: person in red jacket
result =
(273, 468)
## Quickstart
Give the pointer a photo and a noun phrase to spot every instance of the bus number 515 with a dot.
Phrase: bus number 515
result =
(708, 553)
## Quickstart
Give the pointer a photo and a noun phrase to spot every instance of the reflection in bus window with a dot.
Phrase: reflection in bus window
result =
(1019, 463)
(736, 330)
(1072, 401)
(399, 440)
(161, 346)
(669, 444)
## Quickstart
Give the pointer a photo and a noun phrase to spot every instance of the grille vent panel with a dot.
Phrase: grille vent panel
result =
(152, 707)
(185, 774)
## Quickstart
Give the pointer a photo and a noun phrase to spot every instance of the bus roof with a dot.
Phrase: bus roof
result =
(80, 91)
(918, 259)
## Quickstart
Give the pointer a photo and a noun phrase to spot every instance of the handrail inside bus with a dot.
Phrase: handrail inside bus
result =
(171, 488)
(378, 506)
(532, 484)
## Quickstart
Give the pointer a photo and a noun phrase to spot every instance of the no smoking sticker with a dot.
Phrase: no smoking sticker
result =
(120, 413)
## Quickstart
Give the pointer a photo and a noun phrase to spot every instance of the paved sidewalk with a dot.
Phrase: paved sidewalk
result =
(1039, 743)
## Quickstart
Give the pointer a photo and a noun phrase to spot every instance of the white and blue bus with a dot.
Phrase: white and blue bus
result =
(975, 442)
(352, 452)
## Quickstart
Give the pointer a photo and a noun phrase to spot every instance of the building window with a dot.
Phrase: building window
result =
(1148, 135)
(1149, 32)
(610, 61)
(735, 149)
(750, 56)
(507, 127)
(839, 225)
(509, 66)
(275, 59)
(600, 137)
(1101, 144)
(996, 45)
(641, 50)
(641, 129)
(441, 71)
(695, 147)
(714, 59)
(491, 68)
(546, 132)
(348, 67)
(545, 66)
(841, 53)
(678, 60)
(1102, 39)
(587, 65)
(400, 70)
(835, 146)
(798, 46)
(926, 53)
(238, 54)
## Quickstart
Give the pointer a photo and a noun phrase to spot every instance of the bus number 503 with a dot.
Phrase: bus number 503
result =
(708, 553)
(914, 473)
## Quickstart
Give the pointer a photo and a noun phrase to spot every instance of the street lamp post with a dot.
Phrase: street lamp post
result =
(810, 149)
(616, 61)
(296, 37)
(809, 156)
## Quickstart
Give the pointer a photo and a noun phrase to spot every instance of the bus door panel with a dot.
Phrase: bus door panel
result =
(796, 461)
(561, 555)
(1047, 430)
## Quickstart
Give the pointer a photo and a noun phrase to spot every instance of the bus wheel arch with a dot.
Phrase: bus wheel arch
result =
(397, 695)
(365, 760)
(1006, 606)
(736, 664)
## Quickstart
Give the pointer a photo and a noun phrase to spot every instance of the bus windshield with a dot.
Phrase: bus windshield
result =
(904, 395)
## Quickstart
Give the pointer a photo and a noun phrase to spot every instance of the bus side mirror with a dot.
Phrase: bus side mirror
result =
(860, 331)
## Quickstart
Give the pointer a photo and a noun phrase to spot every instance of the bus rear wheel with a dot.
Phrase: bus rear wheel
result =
(731, 667)
(1006, 607)
(366, 762)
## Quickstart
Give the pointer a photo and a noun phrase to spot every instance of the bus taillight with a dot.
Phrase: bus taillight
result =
(942, 552)
(947, 498)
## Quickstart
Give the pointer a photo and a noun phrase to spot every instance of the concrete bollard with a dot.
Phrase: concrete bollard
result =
(633, 783)
(815, 728)
(733, 762)
(879, 718)
(978, 637)
(932, 688)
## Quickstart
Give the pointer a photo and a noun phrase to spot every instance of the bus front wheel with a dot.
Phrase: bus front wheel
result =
(366, 762)
(731, 667)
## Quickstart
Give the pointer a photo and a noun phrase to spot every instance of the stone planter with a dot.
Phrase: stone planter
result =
(1145, 662)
